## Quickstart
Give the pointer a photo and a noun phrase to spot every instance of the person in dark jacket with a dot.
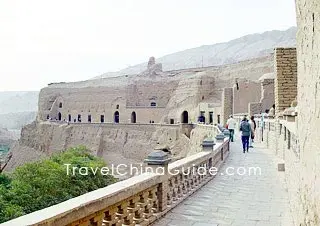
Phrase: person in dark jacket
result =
(245, 129)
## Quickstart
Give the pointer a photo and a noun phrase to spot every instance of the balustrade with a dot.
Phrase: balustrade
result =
(139, 200)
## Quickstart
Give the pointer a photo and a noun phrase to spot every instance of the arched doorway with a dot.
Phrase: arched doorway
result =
(59, 116)
(133, 117)
(116, 117)
(184, 117)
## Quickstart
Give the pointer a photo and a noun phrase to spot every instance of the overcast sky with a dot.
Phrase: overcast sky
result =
(44, 41)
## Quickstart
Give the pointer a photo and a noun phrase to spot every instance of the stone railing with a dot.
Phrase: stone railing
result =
(279, 134)
(108, 124)
(211, 130)
(143, 106)
(139, 200)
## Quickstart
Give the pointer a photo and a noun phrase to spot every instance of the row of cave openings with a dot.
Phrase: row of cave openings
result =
(116, 118)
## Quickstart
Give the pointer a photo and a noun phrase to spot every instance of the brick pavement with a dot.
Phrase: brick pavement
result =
(248, 200)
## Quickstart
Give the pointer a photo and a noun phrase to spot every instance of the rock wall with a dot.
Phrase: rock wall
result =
(95, 102)
(116, 143)
(227, 104)
(254, 108)
(308, 56)
(244, 92)
(173, 92)
(158, 97)
(267, 94)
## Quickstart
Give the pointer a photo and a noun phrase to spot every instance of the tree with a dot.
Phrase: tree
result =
(41, 184)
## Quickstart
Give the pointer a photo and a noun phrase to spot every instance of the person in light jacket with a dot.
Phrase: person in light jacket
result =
(231, 125)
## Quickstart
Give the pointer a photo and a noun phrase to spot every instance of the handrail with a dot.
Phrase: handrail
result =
(139, 200)
(111, 123)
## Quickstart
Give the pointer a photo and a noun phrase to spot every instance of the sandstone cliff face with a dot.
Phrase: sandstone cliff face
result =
(308, 55)
(120, 98)
(122, 143)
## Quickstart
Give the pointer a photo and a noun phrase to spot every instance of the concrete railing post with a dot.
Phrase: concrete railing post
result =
(208, 144)
(220, 138)
(226, 133)
(159, 161)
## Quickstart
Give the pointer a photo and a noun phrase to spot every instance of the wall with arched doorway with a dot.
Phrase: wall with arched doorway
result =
(55, 111)
(184, 117)
(116, 117)
(133, 117)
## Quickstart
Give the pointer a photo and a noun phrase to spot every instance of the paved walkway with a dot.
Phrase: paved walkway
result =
(256, 200)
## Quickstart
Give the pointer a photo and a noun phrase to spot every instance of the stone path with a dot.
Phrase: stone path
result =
(248, 200)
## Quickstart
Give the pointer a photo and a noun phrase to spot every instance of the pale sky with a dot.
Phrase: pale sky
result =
(44, 41)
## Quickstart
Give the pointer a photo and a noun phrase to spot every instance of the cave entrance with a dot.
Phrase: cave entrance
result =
(116, 117)
(101, 118)
(184, 117)
(59, 116)
(133, 117)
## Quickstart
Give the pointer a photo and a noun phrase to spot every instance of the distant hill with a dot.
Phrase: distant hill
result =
(15, 121)
(18, 108)
(244, 48)
(13, 102)
(7, 137)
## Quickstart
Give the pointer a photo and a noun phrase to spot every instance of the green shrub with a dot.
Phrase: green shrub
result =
(38, 185)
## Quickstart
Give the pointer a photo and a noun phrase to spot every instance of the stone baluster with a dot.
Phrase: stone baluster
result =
(180, 185)
(97, 220)
(186, 183)
(174, 189)
(169, 192)
(110, 216)
(123, 213)
(144, 202)
(153, 199)
(135, 210)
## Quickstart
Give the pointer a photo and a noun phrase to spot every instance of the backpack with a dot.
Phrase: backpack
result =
(245, 126)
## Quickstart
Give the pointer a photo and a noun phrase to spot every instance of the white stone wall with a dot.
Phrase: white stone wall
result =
(308, 55)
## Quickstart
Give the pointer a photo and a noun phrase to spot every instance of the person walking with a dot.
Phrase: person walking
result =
(245, 134)
(231, 125)
(253, 127)
(272, 111)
